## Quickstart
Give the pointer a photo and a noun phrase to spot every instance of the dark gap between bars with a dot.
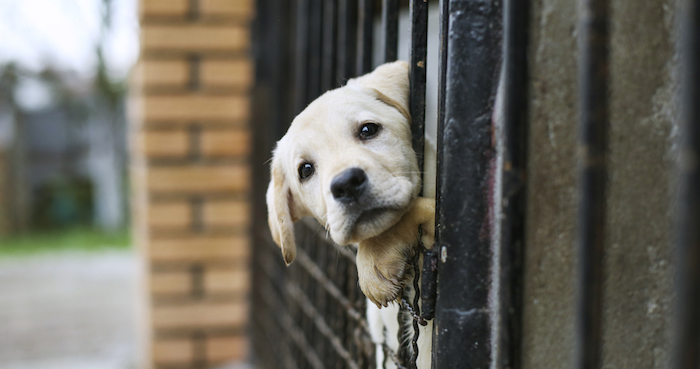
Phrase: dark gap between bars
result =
(593, 149)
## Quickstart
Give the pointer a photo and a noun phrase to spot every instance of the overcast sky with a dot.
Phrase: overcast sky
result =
(64, 33)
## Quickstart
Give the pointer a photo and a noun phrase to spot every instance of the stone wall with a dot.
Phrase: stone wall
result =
(190, 97)
(637, 298)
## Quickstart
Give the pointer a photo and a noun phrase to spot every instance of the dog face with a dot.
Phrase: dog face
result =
(347, 160)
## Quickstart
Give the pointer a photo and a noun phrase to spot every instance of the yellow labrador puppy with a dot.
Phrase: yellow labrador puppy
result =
(347, 160)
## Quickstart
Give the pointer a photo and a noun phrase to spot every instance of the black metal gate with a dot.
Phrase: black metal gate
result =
(311, 315)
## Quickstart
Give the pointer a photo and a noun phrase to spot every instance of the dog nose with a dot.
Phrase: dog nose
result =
(348, 185)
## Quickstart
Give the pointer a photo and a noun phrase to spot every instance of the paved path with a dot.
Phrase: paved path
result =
(68, 311)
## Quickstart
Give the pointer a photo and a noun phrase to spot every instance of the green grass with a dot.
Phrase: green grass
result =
(80, 239)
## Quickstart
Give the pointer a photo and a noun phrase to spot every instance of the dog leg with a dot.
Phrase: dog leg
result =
(382, 260)
(381, 265)
(384, 327)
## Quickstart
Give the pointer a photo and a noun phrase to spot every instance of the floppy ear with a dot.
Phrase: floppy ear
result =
(391, 82)
(279, 215)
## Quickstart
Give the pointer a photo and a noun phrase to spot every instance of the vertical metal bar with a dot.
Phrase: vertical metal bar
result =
(301, 63)
(271, 106)
(418, 14)
(687, 324)
(328, 80)
(513, 182)
(444, 17)
(464, 328)
(347, 40)
(297, 330)
(315, 48)
(408, 351)
(364, 37)
(259, 116)
(390, 23)
(592, 151)
(279, 51)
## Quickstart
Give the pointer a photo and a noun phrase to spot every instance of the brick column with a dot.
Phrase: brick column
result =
(191, 179)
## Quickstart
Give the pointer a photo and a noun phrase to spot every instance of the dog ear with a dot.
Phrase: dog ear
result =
(391, 83)
(279, 215)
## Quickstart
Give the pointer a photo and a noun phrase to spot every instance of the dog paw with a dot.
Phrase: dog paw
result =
(382, 284)
(382, 263)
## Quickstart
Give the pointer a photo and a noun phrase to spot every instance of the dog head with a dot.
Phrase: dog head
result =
(346, 160)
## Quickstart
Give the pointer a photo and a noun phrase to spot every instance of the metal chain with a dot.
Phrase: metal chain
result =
(416, 307)
(414, 311)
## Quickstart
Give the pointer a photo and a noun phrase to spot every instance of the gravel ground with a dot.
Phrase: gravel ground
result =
(68, 310)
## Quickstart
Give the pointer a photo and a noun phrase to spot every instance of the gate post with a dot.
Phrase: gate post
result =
(466, 318)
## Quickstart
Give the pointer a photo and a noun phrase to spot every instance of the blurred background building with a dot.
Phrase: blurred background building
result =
(81, 119)
(67, 272)
(63, 75)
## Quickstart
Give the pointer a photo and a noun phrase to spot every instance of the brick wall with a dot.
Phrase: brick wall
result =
(191, 179)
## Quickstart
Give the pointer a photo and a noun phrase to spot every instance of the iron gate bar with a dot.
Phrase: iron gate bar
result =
(390, 23)
(592, 161)
(272, 57)
(271, 299)
(320, 323)
(315, 19)
(314, 253)
(347, 40)
(442, 70)
(302, 52)
(442, 83)
(286, 321)
(294, 292)
(365, 37)
(687, 324)
(418, 14)
(332, 289)
(284, 324)
(463, 324)
(264, 329)
(513, 181)
(283, 351)
(329, 45)
(291, 325)
(316, 273)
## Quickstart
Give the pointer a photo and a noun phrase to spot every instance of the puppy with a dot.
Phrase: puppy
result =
(347, 160)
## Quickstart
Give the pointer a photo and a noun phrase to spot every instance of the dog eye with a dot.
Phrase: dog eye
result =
(368, 130)
(306, 170)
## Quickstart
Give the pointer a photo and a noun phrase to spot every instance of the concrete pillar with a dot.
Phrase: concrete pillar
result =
(639, 273)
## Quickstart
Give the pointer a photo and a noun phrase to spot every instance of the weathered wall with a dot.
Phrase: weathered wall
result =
(638, 246)
(191, 179)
